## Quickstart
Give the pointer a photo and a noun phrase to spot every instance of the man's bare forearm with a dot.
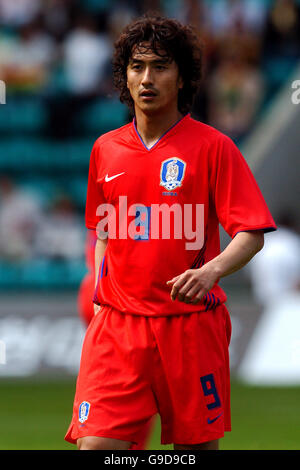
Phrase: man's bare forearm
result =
(193, 284)
(238, 253)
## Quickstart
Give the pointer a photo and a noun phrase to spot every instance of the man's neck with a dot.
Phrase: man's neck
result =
(152, 126)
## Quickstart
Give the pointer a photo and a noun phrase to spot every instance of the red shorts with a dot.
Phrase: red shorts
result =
(133, 367)
(86, 313)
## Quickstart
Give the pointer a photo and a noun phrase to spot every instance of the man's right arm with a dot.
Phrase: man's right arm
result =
(99, 253)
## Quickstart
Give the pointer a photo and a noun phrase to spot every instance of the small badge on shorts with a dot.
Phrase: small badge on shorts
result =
(84, 410)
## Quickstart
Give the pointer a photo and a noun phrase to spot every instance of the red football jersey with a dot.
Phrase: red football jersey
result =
(162, 207)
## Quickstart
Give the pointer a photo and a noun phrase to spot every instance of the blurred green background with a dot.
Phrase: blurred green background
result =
(35, 415)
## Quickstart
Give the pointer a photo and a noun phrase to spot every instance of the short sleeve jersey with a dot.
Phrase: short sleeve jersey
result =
(161, 207)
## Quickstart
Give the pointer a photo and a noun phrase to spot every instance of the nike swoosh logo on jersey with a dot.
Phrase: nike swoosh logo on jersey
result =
(210, 421)
(109, 178)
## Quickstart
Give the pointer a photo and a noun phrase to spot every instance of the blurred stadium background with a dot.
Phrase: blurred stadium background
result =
(55, 61)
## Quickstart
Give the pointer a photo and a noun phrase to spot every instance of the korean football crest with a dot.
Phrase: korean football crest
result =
(84, 409)
(172, 173)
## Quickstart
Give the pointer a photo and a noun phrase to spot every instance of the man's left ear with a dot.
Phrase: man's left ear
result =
(180, 82)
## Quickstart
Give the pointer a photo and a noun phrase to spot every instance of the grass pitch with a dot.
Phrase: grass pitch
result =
(35, 414)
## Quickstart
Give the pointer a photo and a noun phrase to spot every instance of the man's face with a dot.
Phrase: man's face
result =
(153, 81)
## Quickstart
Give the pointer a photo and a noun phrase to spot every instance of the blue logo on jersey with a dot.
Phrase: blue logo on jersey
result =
(172, 173)
(84, 410)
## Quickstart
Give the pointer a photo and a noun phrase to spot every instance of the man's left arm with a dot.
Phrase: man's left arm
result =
(193, 284)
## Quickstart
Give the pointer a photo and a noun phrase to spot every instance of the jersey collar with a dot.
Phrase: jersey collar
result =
(161, 137)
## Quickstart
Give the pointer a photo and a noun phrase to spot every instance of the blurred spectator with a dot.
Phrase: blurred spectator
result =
(19, 12)
(118, 19)
(25, 59)
(149, 5)
(86, 53)
(57, 15)
(86, 56)
(60, 235)
(20, 216)
(282, 32)
(195, 13)
(226, 14)
(235, 91)
(281, 43)
(275, 271)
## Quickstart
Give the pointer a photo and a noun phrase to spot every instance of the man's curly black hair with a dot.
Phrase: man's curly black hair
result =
(165, 37)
